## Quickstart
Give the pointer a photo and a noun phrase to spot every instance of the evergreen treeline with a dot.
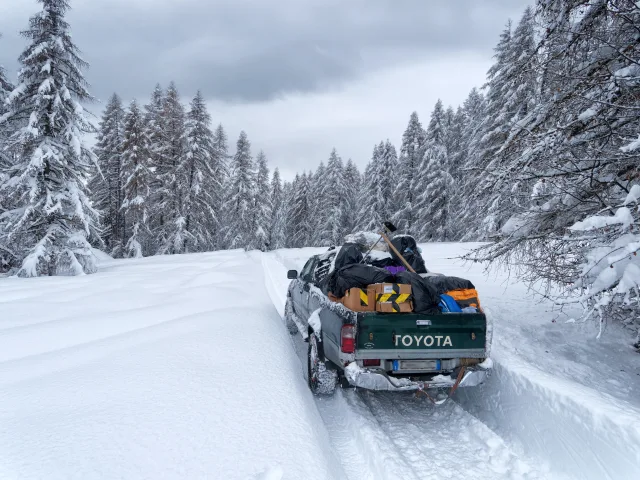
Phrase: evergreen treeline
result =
(167, 184)
(542, 160)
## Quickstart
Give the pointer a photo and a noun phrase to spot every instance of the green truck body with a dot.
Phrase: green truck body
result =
(384, 351)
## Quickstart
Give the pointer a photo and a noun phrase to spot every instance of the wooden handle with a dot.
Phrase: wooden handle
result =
(395, 250)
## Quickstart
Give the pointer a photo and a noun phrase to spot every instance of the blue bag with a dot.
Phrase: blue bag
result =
(448, 304)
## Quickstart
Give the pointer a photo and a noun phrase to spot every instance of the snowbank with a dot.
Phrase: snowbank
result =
(577, 431)
(556, 392)
(168, 367)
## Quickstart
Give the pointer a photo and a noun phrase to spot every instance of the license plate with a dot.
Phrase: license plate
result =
(425, 365)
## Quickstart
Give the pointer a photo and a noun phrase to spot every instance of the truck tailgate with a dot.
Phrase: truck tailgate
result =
(415, 336)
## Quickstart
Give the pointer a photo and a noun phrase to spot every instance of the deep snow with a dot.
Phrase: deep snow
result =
(167, 367)
(180, 367)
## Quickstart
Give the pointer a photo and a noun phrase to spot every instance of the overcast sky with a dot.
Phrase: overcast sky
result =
(299, 76)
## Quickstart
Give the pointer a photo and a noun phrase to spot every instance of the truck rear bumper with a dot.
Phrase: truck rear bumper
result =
(372, 379)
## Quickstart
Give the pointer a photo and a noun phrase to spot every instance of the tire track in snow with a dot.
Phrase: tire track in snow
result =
(445, 439)
(365, 450)
(347, 433)
(382, 436)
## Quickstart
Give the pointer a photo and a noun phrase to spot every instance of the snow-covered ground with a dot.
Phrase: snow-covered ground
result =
(180, 367)
(167, 367)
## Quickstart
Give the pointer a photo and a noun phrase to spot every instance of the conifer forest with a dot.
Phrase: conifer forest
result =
(540, 163)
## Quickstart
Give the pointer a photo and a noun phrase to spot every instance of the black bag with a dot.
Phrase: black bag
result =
(443, 284)
(425, 296)
(408, 248)
(357, 275)
(349, 254)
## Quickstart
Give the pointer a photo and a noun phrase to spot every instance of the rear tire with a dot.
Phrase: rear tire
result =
(288, 317)
(322, 380)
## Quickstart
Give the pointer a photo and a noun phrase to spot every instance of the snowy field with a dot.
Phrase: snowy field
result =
(180, 367)
(167, 367)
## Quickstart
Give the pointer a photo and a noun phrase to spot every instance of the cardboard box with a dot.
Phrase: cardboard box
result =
(388, 307)
(393, 298)
(360, 299)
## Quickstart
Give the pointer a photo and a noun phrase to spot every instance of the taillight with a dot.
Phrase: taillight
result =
(371, 363)
(348, 339)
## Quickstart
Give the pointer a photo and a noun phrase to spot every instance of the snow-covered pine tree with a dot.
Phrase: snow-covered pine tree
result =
(221, 141)
(389, 179)
(469, 204)
(262, 207)
(435, 181)
(171, 174)
(318, 204)
(288, 194)
(362, 195)
(496, 131)
(582, 227)
(278, 213)
(5, 86)
(497, 128)
(136, 179)
(512, 96)
(154, 133)
(5, 89)
(7, 258)
(372, 201)
(456, 152)
(106, 185)
(220, 167)
(200, 173)
(299, 217)
(408, 187)
(51, 215)
(522, 80)
(240, 197)
(221, 145)
(335, 197)
(316, 224)
(353, 184)
(454, 122)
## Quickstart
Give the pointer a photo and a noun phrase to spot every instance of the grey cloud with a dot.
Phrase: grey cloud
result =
(257, 50)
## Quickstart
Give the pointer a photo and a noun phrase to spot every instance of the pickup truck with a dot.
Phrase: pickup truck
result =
(382, 351)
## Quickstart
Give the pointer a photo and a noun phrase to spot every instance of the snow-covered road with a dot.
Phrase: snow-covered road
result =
(180, 367)
(564, 401)
(389, 435)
